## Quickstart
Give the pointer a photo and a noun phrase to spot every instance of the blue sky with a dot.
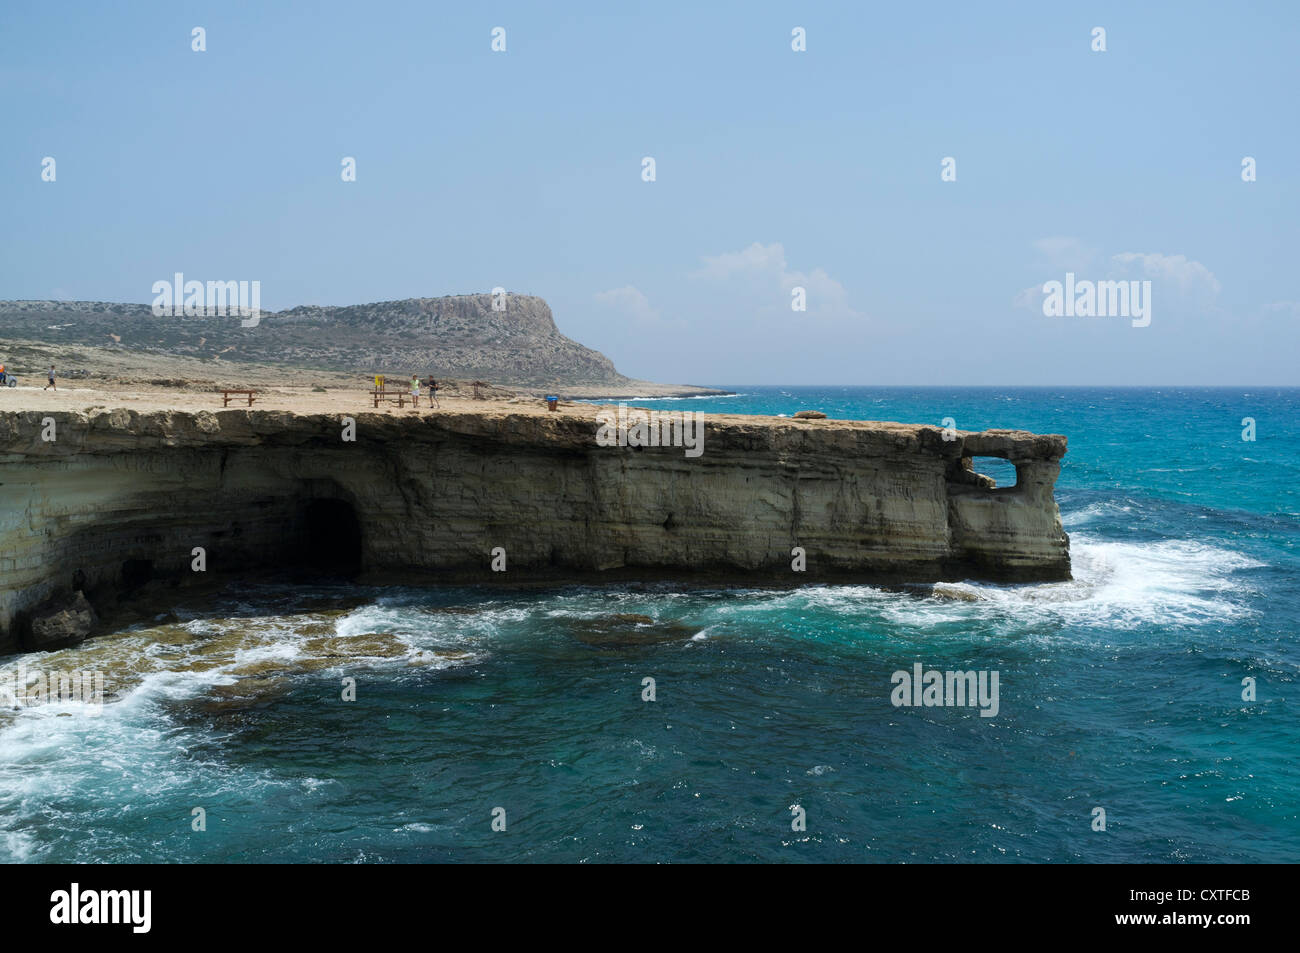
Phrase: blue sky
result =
(775, 169)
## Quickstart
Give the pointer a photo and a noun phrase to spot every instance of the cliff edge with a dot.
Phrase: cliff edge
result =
(104, 502)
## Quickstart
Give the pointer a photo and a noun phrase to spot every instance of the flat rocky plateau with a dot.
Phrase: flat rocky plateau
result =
(106, 493)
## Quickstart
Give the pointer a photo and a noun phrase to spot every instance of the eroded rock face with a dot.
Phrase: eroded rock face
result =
(121, 500)
(61, 625)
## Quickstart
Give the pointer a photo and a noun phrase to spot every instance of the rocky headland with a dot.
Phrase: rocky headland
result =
(98, 504)
(509, 340)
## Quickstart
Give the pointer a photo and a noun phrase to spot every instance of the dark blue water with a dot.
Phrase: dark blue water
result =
(1121, 690)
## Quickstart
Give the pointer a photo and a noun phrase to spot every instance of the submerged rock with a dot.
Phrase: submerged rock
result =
(369, 645)
(625, 629)
(942, 590)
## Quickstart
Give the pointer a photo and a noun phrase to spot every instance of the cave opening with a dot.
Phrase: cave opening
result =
(331, 540)
(136, 573)
(1000, 469)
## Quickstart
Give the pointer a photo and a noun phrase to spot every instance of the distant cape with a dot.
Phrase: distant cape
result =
(460, 336)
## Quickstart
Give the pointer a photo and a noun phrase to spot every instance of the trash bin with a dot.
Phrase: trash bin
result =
(552, 402)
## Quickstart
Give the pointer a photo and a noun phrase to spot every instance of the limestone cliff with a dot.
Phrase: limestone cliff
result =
(118, 498)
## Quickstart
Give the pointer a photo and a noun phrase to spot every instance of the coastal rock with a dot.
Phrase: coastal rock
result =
(952, 593)
(627, 630)
(809, 415)
(125, 497)
(61, 625)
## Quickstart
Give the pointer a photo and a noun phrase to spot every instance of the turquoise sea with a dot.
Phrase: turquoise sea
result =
(1120, 690)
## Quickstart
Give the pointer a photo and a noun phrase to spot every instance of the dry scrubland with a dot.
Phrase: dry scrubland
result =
(512, 341)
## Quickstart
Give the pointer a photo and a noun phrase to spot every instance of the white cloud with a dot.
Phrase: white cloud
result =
(759, 258)
(1175, 275)
(632, 304)
(766, 272)
(1189, 277)
(1065, 253)
(630, 301)
(1031, 298)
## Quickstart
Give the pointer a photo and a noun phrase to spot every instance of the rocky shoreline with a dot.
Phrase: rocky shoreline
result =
(108, 502)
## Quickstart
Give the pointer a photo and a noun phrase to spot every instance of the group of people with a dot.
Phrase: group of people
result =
(433, 390)
(4, 378)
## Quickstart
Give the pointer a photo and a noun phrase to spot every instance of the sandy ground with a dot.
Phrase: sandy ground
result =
(91, 378)
(105, 378)
(301, 399)
(144, 376)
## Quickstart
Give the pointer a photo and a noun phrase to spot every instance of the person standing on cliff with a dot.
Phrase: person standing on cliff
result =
(433, 392)
(415, 390)
(51, 383)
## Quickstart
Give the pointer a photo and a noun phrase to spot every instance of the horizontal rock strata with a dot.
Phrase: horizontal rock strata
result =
(119, 499)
